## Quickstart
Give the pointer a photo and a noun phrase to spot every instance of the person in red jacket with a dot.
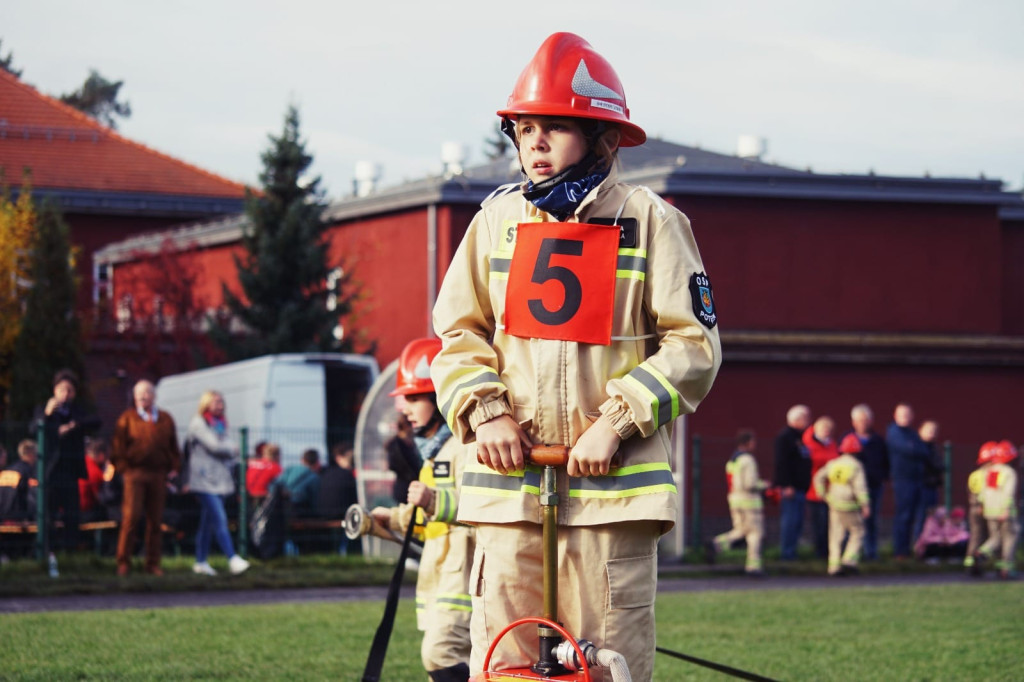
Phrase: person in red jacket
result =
(823, 449)
(263, 470)
(96, 460)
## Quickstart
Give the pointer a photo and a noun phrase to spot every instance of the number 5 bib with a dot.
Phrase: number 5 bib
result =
(561, 283)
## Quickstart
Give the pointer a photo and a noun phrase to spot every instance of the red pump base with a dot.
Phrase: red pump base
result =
(512, 674)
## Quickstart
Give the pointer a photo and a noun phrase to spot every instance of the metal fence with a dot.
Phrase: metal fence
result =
(698, 465)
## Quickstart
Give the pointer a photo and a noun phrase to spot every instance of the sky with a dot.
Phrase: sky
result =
(900, 87)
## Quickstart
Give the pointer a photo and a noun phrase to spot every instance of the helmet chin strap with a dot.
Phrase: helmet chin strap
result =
(427, 429)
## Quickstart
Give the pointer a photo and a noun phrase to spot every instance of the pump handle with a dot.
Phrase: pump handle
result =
(545, 455)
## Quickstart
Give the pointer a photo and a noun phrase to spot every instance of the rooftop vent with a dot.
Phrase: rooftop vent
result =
(751, 147)
(453, 155)
(367, 177)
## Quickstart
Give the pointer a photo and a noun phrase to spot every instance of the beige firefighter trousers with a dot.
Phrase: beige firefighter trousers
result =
(441, 588)
(607, 580)
(747, 524)
(977, 528)
(1002, 542)
(839, 524)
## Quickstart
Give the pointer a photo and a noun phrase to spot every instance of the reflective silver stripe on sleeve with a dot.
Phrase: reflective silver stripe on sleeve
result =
(483, 376)
(664, 401)
(641, 479)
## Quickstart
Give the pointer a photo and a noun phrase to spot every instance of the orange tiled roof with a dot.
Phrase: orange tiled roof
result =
(65, 149)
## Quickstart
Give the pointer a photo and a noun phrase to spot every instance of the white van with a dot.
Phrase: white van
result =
(297, 400)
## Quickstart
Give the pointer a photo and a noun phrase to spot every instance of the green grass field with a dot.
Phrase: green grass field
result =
(946, 632)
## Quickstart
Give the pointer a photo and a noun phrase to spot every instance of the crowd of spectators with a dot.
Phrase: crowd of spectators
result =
(145, 481)
(907, 456)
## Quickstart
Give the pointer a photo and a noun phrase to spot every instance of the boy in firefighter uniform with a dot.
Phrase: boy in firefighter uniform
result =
(843, 485)
(999, 506)
(443, 603)
(976, 526)
(746, 504)
(565, 321)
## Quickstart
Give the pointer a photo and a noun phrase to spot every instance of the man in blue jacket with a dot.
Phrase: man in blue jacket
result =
(907, 456)
(874, 455)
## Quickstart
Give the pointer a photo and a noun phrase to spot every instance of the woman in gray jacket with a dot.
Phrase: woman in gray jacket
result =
(210, 451)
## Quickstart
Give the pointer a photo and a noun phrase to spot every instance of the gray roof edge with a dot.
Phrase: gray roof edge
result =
(201, 234)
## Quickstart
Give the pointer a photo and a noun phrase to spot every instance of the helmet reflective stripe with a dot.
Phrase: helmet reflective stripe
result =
(584, 84)
(664, 398)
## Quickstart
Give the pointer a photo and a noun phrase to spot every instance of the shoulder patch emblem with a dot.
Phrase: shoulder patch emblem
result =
(442, 470)
(703, 300)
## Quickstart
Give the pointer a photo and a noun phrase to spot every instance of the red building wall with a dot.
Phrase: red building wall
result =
(851, 266)
(386, 257)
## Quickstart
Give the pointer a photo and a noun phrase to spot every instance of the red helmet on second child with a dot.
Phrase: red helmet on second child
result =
(987, 452)
(1005, 452)
(414, 367)
(567, 78)
(850, 445)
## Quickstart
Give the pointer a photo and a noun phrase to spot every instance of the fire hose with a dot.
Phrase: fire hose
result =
(359, 522)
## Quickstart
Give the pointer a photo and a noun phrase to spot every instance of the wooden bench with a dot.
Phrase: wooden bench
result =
(12, 527)
(311, 527)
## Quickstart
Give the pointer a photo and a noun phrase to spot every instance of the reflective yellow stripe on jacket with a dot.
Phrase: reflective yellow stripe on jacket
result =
(621, 482)
(664, 398)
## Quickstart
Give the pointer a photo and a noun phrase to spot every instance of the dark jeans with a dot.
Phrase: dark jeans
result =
(871, 523)
(819, 525)
(213, 523)
(908, 500)
(63, 505)
(791, 523)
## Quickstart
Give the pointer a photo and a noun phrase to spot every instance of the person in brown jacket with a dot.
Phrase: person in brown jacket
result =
(144, 450)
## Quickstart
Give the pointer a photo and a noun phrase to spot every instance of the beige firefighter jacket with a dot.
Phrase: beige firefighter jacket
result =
(847, 485)
(745, 485)
(999, 493)
(660, 364)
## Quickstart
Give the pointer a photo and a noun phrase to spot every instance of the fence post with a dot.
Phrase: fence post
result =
(947, 476)
(42, 501)
(243, 494)
(695, 485)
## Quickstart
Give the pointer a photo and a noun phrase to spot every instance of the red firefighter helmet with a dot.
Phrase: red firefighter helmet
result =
(414, 367)
(1005, 452)
(568, 78)
(987, 452)
(850, 445)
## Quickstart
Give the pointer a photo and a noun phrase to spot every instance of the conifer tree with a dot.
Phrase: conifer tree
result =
(50, 337)
(283, 272)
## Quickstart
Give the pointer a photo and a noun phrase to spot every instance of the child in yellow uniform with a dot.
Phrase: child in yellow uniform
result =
(746, 504)
(847, 499)
(443, 603)
(999, 506)
(976, 526)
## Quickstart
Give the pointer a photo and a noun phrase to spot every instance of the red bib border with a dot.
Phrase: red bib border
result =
(561, 283)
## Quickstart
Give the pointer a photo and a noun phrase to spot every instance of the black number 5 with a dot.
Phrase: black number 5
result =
(544, 271)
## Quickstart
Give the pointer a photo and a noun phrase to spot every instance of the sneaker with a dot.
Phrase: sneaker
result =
(237, 565)
(203, 568)
(849, 569)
